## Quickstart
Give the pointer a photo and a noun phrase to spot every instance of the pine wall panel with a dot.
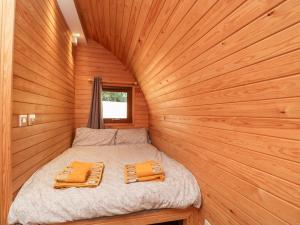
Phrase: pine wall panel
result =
(43, 83)
(222, 106)
(221, 79)
(7, 15)
(94, 60)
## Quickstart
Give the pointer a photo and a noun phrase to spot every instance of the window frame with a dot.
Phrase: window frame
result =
(129, 91)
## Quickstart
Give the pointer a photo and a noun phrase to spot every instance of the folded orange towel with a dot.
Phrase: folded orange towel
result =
(76, 172)
(93, 179)
(146, 171)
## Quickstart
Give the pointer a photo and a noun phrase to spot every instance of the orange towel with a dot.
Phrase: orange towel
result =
(76, 172)
(146, 171)
(93, 179)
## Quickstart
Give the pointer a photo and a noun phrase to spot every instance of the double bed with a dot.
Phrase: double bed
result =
(39, 203)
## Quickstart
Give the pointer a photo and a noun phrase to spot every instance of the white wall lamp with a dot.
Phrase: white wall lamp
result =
(75, 37)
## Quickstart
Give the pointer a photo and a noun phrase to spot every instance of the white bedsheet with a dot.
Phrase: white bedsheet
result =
(39, 203)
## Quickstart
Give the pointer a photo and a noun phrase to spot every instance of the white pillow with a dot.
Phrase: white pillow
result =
(94, 137)
(132, 136)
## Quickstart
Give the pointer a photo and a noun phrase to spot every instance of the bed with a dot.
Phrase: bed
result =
(39, 203)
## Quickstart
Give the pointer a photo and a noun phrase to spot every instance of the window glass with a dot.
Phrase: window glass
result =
(117, 104)
(114, 104)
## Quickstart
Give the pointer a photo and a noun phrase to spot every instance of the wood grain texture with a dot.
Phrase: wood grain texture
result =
(94, 60)
(7, 15)
(221, 79)
(188, 216)
(43, 83)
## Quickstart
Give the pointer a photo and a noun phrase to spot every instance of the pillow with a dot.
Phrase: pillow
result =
(94, 137)
(132, 136)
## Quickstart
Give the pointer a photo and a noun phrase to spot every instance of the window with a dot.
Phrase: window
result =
(117, 104)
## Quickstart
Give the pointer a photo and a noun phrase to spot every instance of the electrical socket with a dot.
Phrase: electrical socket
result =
(22, 120)
(206, 222)
(31, 119)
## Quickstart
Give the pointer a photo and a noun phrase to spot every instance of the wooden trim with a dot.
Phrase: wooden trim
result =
(143, 218)
(129, 104)
(7, 11)
(116, 83)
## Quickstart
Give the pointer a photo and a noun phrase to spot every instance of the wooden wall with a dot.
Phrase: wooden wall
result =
(224, 100)
(7, 12)
(43, 83)
(92, 60)
(222, 82)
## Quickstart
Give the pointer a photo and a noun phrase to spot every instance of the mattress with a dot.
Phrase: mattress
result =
(38, 202)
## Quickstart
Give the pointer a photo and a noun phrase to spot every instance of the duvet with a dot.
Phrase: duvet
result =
(39, 203)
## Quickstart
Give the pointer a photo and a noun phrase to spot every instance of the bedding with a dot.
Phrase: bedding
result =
(38, 202)
(132, 136)
(94, 137)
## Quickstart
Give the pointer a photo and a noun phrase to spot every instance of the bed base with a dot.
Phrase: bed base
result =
(189, 216)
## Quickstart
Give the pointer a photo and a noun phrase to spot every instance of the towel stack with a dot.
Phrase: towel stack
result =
(80, 174)
(146, 171)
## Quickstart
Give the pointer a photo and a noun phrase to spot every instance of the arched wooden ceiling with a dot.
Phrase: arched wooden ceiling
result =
(221, 78)
(136, 30)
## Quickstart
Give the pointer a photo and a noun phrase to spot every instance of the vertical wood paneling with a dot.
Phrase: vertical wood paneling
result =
(7, 15)
(43, 83)
(92, 60)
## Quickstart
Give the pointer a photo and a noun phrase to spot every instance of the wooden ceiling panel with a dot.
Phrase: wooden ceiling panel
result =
(126, 26)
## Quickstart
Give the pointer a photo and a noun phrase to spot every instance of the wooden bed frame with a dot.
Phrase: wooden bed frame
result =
(189, 216)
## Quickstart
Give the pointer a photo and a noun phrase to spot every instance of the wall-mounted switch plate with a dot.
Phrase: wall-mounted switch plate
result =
(31, 119)
(206, 222)
(22, 120)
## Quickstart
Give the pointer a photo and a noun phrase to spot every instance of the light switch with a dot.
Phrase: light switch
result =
(31, 119)
(22, 120)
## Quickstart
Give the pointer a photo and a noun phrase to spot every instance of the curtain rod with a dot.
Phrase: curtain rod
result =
(117, 82)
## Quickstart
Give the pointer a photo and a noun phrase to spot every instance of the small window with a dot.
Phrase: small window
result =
(117, 104)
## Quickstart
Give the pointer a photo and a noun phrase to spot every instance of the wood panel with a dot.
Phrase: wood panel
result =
(91, 60)
(221, 79)
(43, 83)
(7, 15)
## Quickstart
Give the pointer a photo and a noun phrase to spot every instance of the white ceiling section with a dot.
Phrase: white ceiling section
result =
(69, 11)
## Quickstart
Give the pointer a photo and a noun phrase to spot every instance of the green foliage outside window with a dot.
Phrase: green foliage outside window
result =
(114, 96)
